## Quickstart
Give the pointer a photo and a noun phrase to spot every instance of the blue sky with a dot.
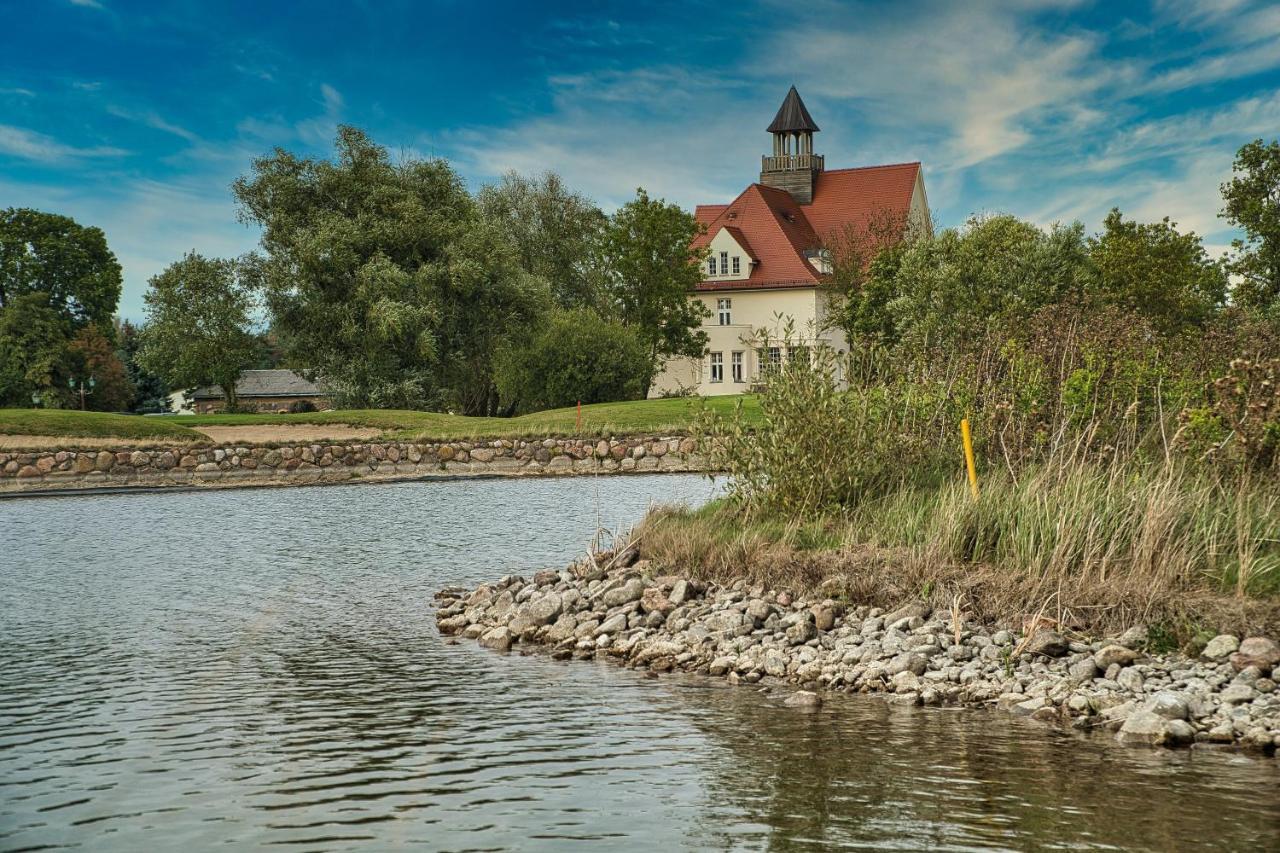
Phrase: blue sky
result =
(136, 116)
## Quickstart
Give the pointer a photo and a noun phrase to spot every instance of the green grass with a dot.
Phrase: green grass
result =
(73, 424)
(675, 415)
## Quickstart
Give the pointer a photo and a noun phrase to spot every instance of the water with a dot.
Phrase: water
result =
(260, 669)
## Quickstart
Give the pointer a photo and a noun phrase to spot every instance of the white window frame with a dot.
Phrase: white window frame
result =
(737, 265)
(717, 367)
(724, 306)
(735, 366)
(724, 263)
(711, 265)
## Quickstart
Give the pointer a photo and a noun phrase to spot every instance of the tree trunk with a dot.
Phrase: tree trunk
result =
(229, 394)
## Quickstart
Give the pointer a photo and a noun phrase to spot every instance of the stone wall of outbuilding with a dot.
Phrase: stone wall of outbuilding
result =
(335, 462)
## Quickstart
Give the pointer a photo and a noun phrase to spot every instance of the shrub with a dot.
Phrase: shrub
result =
(299, 407)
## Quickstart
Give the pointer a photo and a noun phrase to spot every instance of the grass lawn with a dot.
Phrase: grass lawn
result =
(640, 416)
(74, 424)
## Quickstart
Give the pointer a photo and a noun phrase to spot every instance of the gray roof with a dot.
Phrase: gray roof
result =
(264, 383)
(792, 116)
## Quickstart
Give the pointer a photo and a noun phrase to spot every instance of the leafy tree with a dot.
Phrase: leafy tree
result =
(556, 233)
(33, 352)
(383, 277)
(69, 264)
(1253, 203)
(93, 356)
(1156, 272)
(652, 271)
(995, 272)
(151, 394)
(576, 355)
(198, 325)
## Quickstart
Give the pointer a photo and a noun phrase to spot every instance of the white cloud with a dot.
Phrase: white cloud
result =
(87, 4)
(152, 120)
(30, 145)
(19, 92)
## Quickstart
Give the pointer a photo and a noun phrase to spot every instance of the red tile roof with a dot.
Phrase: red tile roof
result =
(776, 232)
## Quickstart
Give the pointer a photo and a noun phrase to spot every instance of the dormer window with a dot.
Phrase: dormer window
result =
(711, 266)
(724, 263)
(737, 265)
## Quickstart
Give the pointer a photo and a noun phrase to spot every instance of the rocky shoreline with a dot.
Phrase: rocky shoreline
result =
(616, 607)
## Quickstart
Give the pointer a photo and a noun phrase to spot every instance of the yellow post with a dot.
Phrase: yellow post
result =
(968, 457)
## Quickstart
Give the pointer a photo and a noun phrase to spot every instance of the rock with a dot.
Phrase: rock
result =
(679, 592)
(498, 638)
(625, 594)
(615, 624)
(1083, 671)
(536, 613)
(1114, 654)
(1257, 652)
(1047, 643)
(1147, 728)
(912, 610)
(652, 600)
(804, 700)
(907, 662)
(775, 663)
(824, 615)
(724, 621)
(1134, 638)
(759, 609)
(801, 632)
(1220, 647)
(1130, 679)
(1237, 694)
(722, 665)
(1167, 704)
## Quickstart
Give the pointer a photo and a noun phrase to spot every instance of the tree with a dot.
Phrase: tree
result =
(576, 355)
(556, 233)
(69, 264)
(93, 356)
(1253, 203)
(652, 271)
(198, 325)
(150, 393)
(383, 277)
(1152, 270)
(33, 352)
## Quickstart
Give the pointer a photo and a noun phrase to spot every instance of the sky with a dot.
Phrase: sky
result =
(137, 116)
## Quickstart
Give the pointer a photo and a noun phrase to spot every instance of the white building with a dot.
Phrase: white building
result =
(768, 250)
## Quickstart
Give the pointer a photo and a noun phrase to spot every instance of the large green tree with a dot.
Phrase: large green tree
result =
(652, 270)
(384, 277)
(1154, 271)
(68, 263)
(575, 356)
(199, 318)
(150, 393)
(1252, 199)
(556, 233)
(34, 360)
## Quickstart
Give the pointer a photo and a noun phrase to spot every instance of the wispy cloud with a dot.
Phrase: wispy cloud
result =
(30, 145)
(19, 92)
(87, 4)
(151, 119)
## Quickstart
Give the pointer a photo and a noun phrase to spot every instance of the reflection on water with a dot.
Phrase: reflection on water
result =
(261, 667)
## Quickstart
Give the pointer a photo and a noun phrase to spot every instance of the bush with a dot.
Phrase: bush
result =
(577, 355)
(299, 407)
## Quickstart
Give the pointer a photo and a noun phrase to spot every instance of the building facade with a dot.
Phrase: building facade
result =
(769, 252)
(267, 391)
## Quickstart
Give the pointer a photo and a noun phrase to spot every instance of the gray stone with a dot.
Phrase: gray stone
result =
(679, 592)
(907, 662)
(721, 665)
(1259, 652)
(1236, 694)
(535, 613)
(498, 638)
(1047, 643)
(613, 625)
(1082, 671)
(759, 609)
(804, 700)
(1114, 654)
(625, 594)
(1147, 728)
(1130, 679)
(801, 632)
(1220, 647)
(1167, 704)
(723, 621)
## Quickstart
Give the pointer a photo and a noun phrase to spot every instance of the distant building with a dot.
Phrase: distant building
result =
(262, 391)
(770, 251)
(180, 403)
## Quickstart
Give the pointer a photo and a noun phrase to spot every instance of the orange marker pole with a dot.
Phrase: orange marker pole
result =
(579, 416)
(968, 457)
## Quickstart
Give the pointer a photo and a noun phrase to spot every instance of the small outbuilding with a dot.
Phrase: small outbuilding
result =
(263, 391)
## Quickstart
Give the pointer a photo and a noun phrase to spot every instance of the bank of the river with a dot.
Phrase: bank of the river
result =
(619, 611)
(311, 463)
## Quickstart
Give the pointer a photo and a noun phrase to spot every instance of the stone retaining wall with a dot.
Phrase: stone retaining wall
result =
(306, 463)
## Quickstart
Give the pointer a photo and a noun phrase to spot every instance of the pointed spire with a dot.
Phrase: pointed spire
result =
(792, 116)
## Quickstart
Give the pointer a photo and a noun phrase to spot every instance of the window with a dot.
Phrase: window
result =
(737, 265)
(735, 360)
(711, 266)
(798, 353)
(724, 306)
(770, 360)
(724, 263)
(717, 367)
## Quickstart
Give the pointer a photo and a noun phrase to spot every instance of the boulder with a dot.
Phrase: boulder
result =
(801, 632)
(824, 615)
(1259, 652)
(537, 612)
(1167, 704)
(1147, 728)
(804, 700)
(615, 624)
(498, 638)
(1220, 647)
(624, 594)
(680, 592)
(1237, 694)
(1114, 654)
(759, 609)
(1047, 643)
(652, 600)
(722, 665)
(723, 621)
(907, 662)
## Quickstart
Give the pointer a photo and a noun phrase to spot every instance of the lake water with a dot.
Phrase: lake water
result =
(260, 669)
